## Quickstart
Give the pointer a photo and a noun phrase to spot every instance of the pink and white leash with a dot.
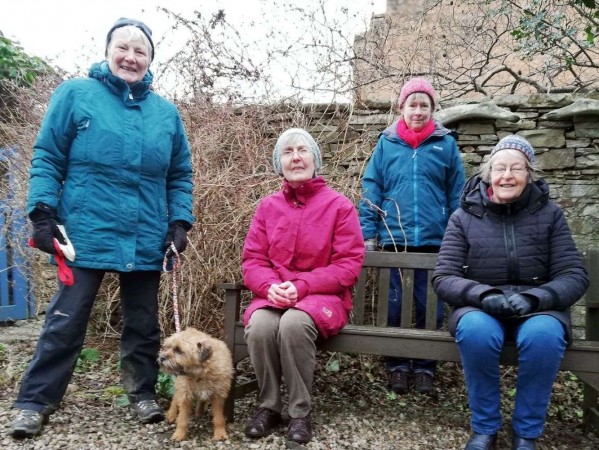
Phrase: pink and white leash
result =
(176, 267)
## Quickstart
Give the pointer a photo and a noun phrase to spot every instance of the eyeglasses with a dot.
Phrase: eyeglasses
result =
(514, 170)
(302, 152)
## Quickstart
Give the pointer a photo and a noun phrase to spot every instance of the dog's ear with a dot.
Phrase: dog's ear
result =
(205, 352)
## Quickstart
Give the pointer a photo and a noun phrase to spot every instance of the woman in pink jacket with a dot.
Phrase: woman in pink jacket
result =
(302, 255)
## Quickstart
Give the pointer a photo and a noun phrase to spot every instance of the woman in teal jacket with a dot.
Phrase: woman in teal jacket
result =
(411, 186)
(112, 164)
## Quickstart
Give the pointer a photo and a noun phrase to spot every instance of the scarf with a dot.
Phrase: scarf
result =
(414, 138)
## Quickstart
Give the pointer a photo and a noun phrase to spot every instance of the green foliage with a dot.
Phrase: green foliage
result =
(88, 358)
(333, 365)
(17, 66)
(541, 28)
(123, 401)
(2, 352)
(114, 390)
(165, 386)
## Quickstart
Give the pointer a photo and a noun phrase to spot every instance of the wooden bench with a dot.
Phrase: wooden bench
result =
(367, 332)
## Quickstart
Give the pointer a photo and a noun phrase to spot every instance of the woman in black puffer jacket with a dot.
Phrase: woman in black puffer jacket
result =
(509, 268)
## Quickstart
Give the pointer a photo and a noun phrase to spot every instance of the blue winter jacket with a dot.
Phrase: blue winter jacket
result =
(115, 162)
(408, 194)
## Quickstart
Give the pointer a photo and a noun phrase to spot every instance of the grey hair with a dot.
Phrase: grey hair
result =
(293, 136)
(485, 168)
(134, 34)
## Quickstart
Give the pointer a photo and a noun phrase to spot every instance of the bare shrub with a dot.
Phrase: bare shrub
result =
(231, 153)
(21, 111)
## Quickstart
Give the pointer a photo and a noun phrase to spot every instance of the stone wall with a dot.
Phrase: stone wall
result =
(563, 129)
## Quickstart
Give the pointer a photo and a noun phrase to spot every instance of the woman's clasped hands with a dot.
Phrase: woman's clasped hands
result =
(283, 295)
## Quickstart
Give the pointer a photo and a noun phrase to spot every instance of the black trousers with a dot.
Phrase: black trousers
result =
(49, 372)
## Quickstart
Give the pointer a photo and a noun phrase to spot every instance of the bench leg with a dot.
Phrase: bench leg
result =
(591, 409)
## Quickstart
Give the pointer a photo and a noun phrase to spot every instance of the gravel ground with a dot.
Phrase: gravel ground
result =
(352, 409)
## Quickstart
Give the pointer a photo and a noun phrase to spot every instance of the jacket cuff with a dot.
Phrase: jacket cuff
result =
(182, 223)
(475, 295)
(302, 288)
(543, 299)
(42, 211)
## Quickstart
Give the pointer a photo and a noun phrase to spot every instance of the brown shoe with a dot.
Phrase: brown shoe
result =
(398, 382)
(300, 430)
(262, 423)
(423, 383)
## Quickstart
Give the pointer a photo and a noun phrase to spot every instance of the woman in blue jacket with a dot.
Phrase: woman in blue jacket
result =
(112, 164)
(411, 185)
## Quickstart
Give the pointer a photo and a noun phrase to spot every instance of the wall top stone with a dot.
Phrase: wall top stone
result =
(580, 107)
(483, 110)
(540, 100)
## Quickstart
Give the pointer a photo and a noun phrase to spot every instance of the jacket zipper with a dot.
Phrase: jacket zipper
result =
(510, 244)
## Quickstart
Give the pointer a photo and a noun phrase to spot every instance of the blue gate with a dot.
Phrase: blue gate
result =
(16, 296)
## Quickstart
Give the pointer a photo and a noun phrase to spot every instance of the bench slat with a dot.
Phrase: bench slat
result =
(431, 305)
(592, 263)
(407, 307)
(357, 315)
(581, 357)
(383, 297)
(405, 260)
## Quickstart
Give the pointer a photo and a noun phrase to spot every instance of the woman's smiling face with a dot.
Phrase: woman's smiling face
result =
(129, 55)
(509, 175)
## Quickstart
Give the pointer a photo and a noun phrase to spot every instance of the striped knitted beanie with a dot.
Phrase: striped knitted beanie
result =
(515, 142)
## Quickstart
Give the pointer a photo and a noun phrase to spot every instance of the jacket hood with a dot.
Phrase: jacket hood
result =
(101, 72)
(475, 198)
(391, 131)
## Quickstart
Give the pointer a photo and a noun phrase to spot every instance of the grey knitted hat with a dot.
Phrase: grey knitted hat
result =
(516, 142)
(289, 136)
(123, 22)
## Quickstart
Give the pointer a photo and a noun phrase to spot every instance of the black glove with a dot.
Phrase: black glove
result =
(177, 234)
(521, 304)
(45, 228)
(497, 305)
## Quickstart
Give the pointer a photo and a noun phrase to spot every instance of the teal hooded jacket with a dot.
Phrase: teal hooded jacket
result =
(114, 161)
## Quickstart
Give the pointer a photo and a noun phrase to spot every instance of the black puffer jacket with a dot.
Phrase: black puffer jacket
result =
(525, 246)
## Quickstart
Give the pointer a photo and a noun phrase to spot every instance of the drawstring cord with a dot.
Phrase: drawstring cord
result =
(175, 271)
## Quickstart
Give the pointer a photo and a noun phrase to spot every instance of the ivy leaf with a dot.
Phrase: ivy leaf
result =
(590, 35)
(333, 366)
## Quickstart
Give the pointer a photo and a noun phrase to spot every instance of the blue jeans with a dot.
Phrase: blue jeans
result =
(48, 375)
(541, 344)
(394, 319)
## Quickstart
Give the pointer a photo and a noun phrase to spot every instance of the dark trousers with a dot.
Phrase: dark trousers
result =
(49, 372)
(394, 317)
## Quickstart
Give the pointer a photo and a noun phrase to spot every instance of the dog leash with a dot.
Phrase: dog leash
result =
(175, 271)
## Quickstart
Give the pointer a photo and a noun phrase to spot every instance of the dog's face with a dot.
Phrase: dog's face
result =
(185, 352)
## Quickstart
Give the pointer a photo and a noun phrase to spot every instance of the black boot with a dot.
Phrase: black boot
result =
(481, 442)
(520, 443)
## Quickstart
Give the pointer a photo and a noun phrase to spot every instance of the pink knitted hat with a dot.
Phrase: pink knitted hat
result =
(416, 85)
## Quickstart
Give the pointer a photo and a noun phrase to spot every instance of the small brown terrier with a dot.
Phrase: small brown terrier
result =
(204, 370)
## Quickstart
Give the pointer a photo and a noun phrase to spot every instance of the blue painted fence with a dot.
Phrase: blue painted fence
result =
(16, 295)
